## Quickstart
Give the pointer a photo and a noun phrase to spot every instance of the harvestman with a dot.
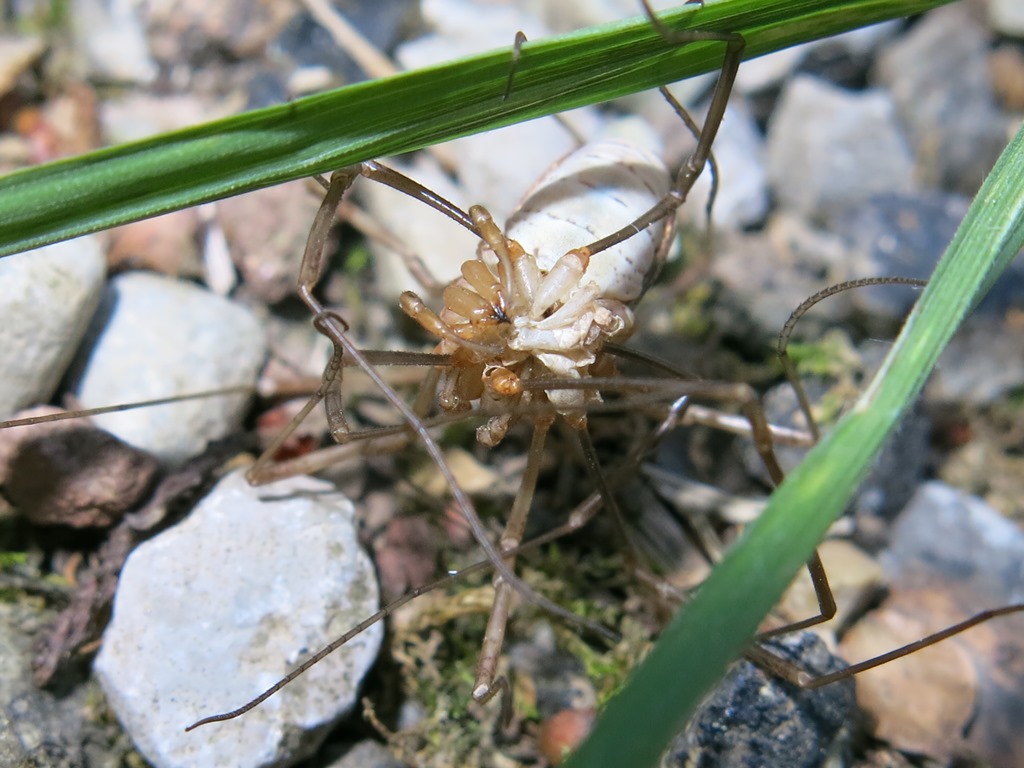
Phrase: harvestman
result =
(522, 334)
(523, 330)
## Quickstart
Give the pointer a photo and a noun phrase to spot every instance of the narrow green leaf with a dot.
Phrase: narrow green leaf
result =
(712, 630)
(330, 130)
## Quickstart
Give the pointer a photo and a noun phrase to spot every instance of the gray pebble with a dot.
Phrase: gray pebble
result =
(754, 719)
(113, 40)
(894, 476)
(901, 235)
(944, 530)
(769, 71)
(828, 147)
(37, 728)
(49, 296)
(367, 754)
(764, 276)
(157, 337)
(304, 41)
(218, 608)
(939, 80)
(983, 361)
(742, 199)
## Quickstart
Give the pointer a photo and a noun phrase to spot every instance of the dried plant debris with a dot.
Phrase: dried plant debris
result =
(80, 477)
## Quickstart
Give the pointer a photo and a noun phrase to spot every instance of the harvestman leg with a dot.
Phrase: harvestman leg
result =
(486, 685)
(577, 519)
(583, 513)
(785, 669)
(764, 442)
(762, 434)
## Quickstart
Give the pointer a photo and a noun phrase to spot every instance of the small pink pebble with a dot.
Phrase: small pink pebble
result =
(562, 733)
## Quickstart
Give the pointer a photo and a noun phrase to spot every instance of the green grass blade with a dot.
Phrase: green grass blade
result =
(399, 114)
(712, 630)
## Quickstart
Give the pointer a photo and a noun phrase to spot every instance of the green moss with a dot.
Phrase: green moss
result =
(438, 647)
(833, 355)
(12, 559)
(690, 316)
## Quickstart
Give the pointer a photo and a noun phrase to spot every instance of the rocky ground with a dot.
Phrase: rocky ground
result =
(844, 159)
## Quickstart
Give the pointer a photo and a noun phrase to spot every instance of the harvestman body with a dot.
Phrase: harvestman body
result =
(535, 305)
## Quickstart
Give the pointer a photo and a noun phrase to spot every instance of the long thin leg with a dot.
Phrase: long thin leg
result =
(329, 390)
(787, 331)
(376, 171)
(753, 412)
(807, 681)
(694, 165)
(751, 408)
(486, 684)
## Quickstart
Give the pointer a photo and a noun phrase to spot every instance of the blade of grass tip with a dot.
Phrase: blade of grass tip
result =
(399, 114)
(712, 630)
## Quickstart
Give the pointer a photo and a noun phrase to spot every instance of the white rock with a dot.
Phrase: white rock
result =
(464, 27)
(17, 53)
(944, 527)
(114, 40)
(1007, 17)
(571, 15)
(367, 754)
(828, 147)
(218, 608)
(496, 168)
(159, 337)
(767, 71)
(138, 115)
(49, 296)
(939, 79)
